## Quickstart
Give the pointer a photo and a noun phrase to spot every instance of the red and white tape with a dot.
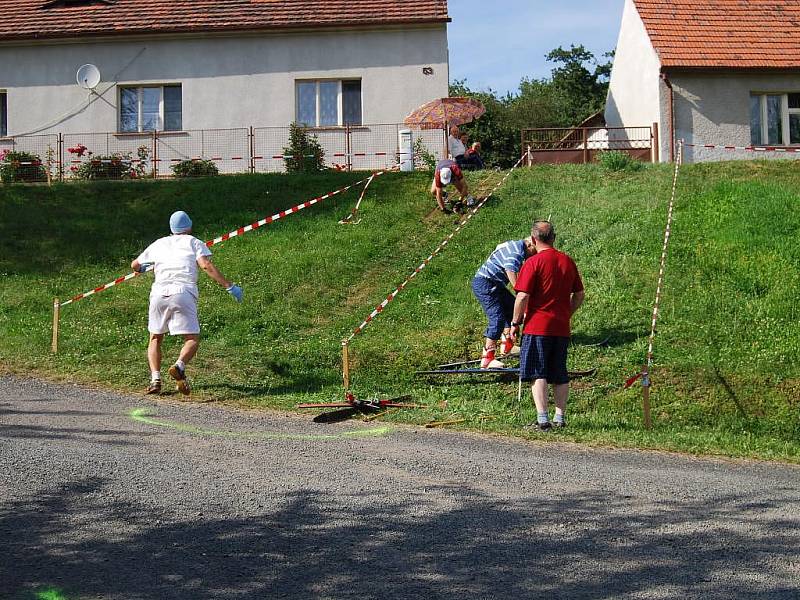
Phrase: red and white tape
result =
(744, 148)
(234, 233)
(380, 308)
(108, 161)
(645, 372)
(216, 158)
(290, 211)
(349, 219)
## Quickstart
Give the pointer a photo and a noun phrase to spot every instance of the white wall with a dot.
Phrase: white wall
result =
(714, 108)
(227, 81)
(634, 90)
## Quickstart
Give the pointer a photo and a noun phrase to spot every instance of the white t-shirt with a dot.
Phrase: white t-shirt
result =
(175, 263)
(455, 146)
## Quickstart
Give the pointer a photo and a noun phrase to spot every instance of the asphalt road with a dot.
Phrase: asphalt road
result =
(116, 497)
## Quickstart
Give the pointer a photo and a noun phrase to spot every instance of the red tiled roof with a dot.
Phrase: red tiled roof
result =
(724, 33)
(43, 19)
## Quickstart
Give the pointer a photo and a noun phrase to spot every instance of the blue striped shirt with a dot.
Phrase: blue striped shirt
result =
(508, 256)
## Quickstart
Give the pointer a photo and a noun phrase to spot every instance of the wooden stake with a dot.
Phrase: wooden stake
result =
(648, 422)
(56, 316)
(346, 366)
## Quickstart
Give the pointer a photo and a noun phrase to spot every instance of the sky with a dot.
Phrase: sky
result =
(495, 43)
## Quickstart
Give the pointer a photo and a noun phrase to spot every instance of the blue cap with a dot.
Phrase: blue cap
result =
(180, 222)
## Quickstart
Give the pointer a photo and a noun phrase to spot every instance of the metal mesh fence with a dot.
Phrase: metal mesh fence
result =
(335, 143)
(39, 155)
(268, 145)
(227, 149)
(715, 153)
(374, 147)
(432, 141)
(108, 155)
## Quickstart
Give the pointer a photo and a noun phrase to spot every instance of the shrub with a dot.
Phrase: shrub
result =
(113, 166)
(423, 158)
(195, 168)
(615, 160)
(304, 153)
(21, 166)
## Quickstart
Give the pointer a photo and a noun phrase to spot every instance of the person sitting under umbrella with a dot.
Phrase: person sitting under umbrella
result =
(473, 156)
(447, 172)
(455, 146)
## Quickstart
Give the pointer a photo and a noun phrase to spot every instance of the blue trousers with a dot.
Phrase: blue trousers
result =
(498, 304)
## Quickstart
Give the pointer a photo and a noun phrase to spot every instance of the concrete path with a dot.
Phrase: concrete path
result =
(117, 497)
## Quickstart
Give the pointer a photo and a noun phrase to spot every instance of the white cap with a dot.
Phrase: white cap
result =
(445, 175)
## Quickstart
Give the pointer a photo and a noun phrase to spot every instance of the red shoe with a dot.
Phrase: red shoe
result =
(488, 360)
(507, 343)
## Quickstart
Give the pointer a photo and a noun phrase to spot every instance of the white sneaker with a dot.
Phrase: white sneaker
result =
(471, 201)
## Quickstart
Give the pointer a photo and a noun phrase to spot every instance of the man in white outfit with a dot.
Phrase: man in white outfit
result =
(173, 297)
(455, 146)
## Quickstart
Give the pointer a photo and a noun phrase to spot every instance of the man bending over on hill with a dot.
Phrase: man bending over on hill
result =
(549, 291)
(173, 297)
(489, 287)
(447, 172)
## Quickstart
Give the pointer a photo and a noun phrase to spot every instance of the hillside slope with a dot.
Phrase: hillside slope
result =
(727, 376)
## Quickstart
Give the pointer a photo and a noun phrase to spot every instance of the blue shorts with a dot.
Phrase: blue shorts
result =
(544, 357)
(498, 304)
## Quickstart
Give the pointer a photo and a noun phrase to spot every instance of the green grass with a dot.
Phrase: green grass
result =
(726, 379)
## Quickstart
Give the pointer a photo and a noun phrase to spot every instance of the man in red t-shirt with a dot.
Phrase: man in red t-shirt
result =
(549, 290)
(447, 172)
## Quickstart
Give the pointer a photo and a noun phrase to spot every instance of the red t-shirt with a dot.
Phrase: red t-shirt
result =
(550, 277)
(453, 166)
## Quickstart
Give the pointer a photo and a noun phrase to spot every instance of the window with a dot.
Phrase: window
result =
(329, 103)
(775, 119)
(151, 108)
(3, 114)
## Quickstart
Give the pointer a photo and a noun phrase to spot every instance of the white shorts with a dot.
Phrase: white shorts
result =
(176, 313)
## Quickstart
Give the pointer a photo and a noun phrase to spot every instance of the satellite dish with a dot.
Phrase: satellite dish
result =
(88, 77)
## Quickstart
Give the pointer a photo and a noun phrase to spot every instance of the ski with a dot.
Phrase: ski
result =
(475, 361)
(503, 371)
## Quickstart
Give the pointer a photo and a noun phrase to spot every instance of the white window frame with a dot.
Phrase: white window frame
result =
(785, 112)
(339, 100)
(140, 99)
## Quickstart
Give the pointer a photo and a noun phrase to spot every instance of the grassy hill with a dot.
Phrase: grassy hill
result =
(727, 375)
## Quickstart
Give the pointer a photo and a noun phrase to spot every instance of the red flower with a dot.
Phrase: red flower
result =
(80, 150)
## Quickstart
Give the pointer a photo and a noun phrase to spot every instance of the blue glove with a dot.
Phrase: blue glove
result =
(236, 292)
(144, 267)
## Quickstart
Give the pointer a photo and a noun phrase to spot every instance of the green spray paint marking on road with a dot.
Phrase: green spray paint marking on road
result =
(50, 594)
(141, 415)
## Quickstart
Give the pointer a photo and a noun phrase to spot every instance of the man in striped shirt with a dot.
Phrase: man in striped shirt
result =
(490, 288)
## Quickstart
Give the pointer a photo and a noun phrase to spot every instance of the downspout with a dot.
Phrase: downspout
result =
(671, 119)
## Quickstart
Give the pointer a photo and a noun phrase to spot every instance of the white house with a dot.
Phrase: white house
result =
(216, 64)
(718, 72)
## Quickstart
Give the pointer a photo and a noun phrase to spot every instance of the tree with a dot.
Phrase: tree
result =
(304, 154)
(575, 90)
(494, 130)
(581, 80)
